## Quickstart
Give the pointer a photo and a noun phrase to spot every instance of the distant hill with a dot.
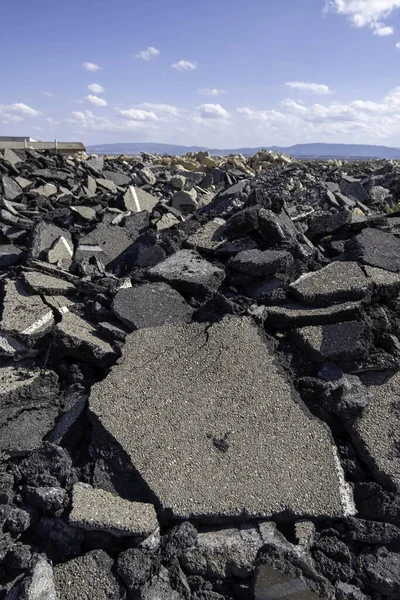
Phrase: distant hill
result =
(298, 150)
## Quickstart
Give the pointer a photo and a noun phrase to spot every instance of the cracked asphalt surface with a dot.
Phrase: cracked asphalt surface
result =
(179, 390)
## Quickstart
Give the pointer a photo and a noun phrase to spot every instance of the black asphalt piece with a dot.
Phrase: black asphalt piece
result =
(188, 272)
(328, 223)
(43, 237)
(256, 263)
(375, 248)
(330, 342)
(151, 305)
(9, 256)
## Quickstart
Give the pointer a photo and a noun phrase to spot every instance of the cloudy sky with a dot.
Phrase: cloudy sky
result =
(220, 73)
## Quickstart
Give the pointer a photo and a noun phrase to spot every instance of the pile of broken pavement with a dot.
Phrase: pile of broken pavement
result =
(200, 384)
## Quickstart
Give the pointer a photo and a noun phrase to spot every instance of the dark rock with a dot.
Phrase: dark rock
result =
(11, 189)
(136, 567)
(178, 540)
(51, 500)
(329, 342)
(48, 466)
(151, 305)
(241, 223)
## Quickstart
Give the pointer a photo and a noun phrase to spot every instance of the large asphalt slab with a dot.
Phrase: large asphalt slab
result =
(213, 426)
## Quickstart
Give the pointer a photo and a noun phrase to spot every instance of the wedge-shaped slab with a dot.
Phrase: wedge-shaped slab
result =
(214, 427)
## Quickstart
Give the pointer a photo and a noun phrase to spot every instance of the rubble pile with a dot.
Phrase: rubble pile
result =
(200, 389)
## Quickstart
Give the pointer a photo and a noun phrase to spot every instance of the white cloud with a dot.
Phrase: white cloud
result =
(212, 111)
(148, 54)
(50, 94)
(315, 88)
(383, 30)
(362, 13)
(96, 100)
(162, 110)
(95, 88)
(87, 121)
(135, 114)
(90, 66)
(185, 65)
(52, 122)
(211, 92)
(398, 45)
(20, 109)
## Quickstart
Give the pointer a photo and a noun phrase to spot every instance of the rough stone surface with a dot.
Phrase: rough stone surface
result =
(98, 510)
(45, 284)
(88, 577)
(151, 305)
(137, 200)
(258, 264)
(295, 315)
(188, 272)
(199, 384)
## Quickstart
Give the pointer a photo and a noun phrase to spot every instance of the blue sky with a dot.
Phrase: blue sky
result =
(220, 73)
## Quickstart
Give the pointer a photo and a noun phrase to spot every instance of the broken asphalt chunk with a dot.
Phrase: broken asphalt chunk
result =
(375, 248)
(188, 272)
(99, 510)
(257, 263)
(40, 283)
(151, 305)
(78, 338)
(210, 405)
(330, 342)
(24, 314)
(337, 282)
(29, 405)
(135, 199)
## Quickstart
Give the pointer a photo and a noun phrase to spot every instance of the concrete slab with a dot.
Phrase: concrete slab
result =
(297, 315)
(376, 432)
(98, 510)
(215, 429)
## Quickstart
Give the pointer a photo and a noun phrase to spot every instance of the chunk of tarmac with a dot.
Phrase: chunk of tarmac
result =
(98, 510)
(376, 432)
(208, 420)
(151, 305)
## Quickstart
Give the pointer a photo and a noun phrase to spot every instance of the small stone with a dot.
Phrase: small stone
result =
(147, 176)
(44, 236)
(38, 585)
(98, 510)
(167, 221)
(178, 182)
(375, 248)
(46, 190)
(50, 500)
